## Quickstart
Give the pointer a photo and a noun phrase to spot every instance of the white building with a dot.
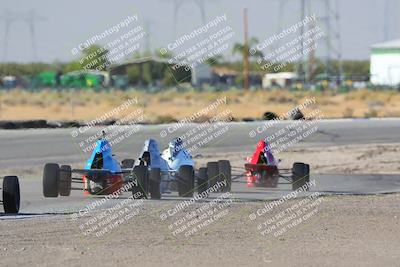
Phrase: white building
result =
(280, 79)
(201, 73)
(385, 63)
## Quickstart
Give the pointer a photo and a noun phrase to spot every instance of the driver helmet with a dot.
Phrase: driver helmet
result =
(175, 146)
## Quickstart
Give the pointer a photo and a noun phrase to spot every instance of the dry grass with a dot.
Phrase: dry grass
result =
(170, 105)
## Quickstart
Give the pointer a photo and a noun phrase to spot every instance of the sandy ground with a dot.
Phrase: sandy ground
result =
(333, 230)
(164, 106)
(343, 231)
(348, 159)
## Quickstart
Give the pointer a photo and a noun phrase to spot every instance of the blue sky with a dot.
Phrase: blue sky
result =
(67, 23)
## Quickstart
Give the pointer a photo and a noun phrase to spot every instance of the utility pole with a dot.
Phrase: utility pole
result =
(310, 70)
(328, 39)
(300, 70)
(245, 53)
(339, 44)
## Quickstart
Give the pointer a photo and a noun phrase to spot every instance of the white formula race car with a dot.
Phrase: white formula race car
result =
(174, 170)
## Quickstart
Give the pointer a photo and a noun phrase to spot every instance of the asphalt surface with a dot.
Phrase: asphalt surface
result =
(36, 147)
(34, 204)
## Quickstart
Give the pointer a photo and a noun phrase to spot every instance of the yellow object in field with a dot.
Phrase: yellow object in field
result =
(299, 86)
(89, 82)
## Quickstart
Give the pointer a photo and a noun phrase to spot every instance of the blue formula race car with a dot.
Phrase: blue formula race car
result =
(102, 174)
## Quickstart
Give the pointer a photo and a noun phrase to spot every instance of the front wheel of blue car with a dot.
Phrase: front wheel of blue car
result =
(154, 183)
(140, 180)
(64, 184)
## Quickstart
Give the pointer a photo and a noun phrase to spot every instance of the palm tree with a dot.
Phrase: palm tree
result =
(240, 49)
(244, 50)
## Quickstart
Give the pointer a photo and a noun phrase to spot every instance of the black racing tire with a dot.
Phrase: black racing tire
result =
(268, 116)
(186, 181)
(225, 174)
(212, 172)
(154, 183)
(307, 172)
(11, 194)
(51, 178)
(64, 185)
(141, 189)
(297, 114)
(298, 175)
(127, 164)
(202, 180)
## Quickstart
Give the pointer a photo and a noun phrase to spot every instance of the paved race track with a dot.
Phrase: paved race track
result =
(36, 147)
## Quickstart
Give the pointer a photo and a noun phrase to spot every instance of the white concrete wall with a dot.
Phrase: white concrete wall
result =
(385, 69)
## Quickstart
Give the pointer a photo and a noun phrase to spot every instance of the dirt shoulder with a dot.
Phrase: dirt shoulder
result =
(172, 105)
(346, 159)
(344, 231)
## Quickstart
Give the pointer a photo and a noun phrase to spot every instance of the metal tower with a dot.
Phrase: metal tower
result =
(30, 19)
(8, 17)
(333, 45)
(178, 4)
(329, 49)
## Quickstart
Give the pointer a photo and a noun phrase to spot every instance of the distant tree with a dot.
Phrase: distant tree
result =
(240, 49)
(72, 66)
(17, 69)
(134, 74)
(168, 77)
(355, 67)
(351, 68)
(146, 73)
(215, 60)
(94, 57)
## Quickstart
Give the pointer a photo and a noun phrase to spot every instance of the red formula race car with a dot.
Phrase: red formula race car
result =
(262, 169)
